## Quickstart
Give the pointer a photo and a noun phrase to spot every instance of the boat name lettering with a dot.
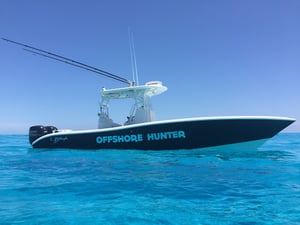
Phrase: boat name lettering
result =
(156, 136)
(119, 138)
(165, 135)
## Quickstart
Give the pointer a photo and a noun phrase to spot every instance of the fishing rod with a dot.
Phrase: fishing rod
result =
(69, 61)
(77, 65)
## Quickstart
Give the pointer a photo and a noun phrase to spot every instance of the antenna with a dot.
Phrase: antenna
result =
(69, 61)
(135, 76)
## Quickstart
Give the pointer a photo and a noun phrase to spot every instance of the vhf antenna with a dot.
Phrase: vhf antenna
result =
(135, 76)
(70, 62)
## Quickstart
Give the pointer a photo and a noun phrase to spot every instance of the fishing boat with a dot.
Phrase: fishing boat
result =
(142, 131)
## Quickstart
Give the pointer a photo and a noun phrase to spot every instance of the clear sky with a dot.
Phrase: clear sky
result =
(216, 57)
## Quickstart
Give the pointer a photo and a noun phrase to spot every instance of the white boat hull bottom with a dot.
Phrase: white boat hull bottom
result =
(243, 146)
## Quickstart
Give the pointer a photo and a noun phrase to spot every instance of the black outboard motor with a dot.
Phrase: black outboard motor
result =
(38, 131)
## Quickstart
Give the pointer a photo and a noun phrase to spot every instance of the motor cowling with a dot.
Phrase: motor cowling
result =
(38, 131)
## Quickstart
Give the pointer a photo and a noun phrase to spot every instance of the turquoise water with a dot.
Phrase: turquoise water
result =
(150, 187)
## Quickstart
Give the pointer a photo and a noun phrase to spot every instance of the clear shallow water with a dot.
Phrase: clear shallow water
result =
(150, 187)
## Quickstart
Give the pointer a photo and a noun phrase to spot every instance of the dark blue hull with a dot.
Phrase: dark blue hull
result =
(164, 135)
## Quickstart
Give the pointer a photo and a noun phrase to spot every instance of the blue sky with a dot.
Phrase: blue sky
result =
(216, 57)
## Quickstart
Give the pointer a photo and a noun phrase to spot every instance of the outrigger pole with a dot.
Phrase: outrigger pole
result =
(70, 62)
